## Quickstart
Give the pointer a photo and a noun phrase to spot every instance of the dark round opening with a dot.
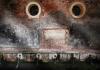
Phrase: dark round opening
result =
(33, 10)
(76, 10)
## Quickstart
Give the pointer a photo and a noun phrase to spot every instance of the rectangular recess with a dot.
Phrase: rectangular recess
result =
(54, 38)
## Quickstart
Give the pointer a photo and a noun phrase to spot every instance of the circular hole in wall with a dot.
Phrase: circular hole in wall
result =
(33, 10)
(77, 10)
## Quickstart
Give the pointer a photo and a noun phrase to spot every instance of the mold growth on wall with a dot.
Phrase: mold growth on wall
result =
(23, 23)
